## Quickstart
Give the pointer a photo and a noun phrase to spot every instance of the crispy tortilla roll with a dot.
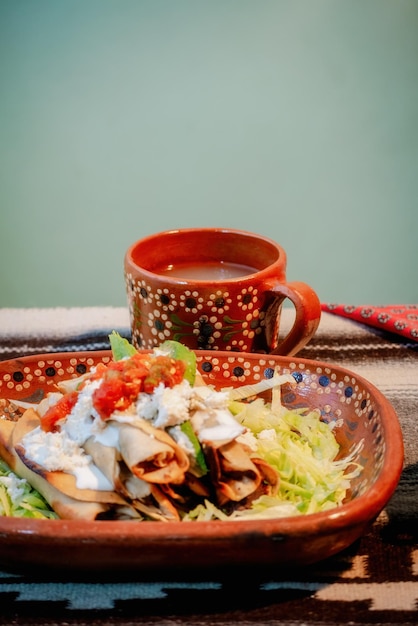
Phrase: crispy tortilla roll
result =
(109, 461)
(151, 454)
(147, 498)
(158, 506)
(65, 506)
(235, 475)
(270, 476)
(6, 449)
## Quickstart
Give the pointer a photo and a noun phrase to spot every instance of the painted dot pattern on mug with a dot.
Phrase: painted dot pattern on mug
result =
(180, 315)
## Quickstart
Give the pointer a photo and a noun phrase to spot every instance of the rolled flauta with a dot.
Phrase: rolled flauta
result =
(236, 475)
(144, 496)
(58, 488)
(157, 506)
(151, 454)
(109, 461)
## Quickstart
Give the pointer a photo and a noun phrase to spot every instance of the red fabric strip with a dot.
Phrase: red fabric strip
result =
(401, 319)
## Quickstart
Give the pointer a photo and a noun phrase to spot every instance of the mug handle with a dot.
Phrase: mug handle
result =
(307, 317)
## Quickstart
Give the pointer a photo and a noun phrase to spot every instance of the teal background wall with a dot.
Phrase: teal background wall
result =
(292, 118)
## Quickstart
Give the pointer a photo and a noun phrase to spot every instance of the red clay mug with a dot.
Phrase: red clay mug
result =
(215, 289)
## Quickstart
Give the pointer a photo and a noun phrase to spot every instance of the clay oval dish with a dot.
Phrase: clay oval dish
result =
(157, 548)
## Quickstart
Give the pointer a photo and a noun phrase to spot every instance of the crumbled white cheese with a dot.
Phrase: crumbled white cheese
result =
(53, 450)
(267, 434)
(204, 397)
(147, 404)
(167, 406)
(15, 486)
(248, 439)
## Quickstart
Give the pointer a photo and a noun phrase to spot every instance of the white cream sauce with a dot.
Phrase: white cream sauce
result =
(215, 425)
(57, 452)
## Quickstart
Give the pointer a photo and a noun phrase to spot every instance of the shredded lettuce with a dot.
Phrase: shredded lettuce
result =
(304, 451)
(19, 499)
(246, 391)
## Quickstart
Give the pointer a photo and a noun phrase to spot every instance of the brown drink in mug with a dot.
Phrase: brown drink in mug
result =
(215, 289)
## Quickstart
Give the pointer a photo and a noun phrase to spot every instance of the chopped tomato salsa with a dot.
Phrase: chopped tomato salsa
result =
(121, 383)
(57, 412)
(166, 370)
(124, 380)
